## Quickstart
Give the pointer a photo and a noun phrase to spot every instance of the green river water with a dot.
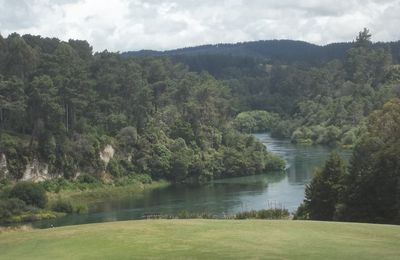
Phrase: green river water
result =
(221, 197)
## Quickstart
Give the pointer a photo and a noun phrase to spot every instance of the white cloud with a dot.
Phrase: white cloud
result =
(121, 25)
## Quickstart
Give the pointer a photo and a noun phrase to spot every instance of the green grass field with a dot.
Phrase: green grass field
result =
(205, 239)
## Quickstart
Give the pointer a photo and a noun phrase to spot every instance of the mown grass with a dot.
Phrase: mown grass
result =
(205, 239)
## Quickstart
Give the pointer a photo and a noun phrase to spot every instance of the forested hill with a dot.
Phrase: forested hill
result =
(66, 112)
(320, 94)
(285, 51)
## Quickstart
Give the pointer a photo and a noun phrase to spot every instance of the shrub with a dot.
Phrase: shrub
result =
(302, 212)
(81, 209)
(86, 178)
(255, 121)
(55, 185)
(274, 213)
(184, 214)
(143, 178)
(31, 193)
(275, 163)
(62, 206)
(115, 168)
(10, 207)
(133, 178)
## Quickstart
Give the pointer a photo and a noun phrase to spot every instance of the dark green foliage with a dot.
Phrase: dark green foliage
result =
(127, 138)
(62, 105)
(323, 193)
(364, 38)
(255, 121)
(372, 190)
(319, 97)
(10, 207)
(86, 178)
(302, 212)
(31, 193)
(57, 185)
(219, 58)
(273, 213)
(83, 182)
(62, 206)
(116, 169)
(181, 159)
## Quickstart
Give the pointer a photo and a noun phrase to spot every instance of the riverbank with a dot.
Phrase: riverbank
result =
(88, 197)
(78, 201)
(205, 239)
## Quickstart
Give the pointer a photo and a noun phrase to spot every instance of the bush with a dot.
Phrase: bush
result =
(55, 185)
(275, 163)
(184, 214)
(134, 178)
(349, 138)
(86, 178)
(302, 212)
(275, 213)
(81, 209)
(31, 193)
(115, 168)
(5, 188)
(62, 206)
(143, 178)
(255, 121)
(10, 207)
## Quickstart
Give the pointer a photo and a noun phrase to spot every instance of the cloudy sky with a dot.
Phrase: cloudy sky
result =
(121, 25)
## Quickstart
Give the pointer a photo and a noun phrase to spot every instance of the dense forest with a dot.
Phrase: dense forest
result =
(341, 94)
(61, 106)
(187, 116)
(276, 51)
(369, 189)
(317, 100)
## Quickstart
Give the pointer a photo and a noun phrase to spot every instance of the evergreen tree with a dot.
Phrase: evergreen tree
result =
(372, 187)
(322, 194)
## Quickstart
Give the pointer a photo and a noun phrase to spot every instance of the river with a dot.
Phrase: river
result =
(221, 197)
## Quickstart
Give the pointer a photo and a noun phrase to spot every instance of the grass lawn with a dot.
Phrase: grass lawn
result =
(205, 239)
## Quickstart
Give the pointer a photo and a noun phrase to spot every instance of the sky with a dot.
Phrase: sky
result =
(123, 25)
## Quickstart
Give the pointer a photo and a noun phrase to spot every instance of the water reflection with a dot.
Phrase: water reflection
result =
(221, 197)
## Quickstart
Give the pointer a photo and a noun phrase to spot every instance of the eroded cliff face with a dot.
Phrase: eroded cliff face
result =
(107, 154)
(3, 166)
(37, 171)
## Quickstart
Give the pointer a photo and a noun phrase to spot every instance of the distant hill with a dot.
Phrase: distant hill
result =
(285, 51)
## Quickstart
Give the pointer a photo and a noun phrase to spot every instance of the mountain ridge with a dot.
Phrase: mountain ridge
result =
(276, 50)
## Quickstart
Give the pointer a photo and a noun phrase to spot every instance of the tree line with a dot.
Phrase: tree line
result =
(326, 102)
(368, 190)
(61, 105)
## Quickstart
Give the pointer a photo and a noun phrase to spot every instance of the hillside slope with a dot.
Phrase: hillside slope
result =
(286, 51)
(205, 239)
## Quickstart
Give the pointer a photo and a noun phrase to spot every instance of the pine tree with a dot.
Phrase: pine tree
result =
(322, 194)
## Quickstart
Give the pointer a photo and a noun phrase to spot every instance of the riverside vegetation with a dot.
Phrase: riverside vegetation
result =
(369, 189)
(85, 121)
(313, 94)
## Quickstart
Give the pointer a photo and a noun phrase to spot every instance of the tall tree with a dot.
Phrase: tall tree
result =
(322, 194)
(364, 38)
(12, 102)
(21, 59)
(372, 190)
